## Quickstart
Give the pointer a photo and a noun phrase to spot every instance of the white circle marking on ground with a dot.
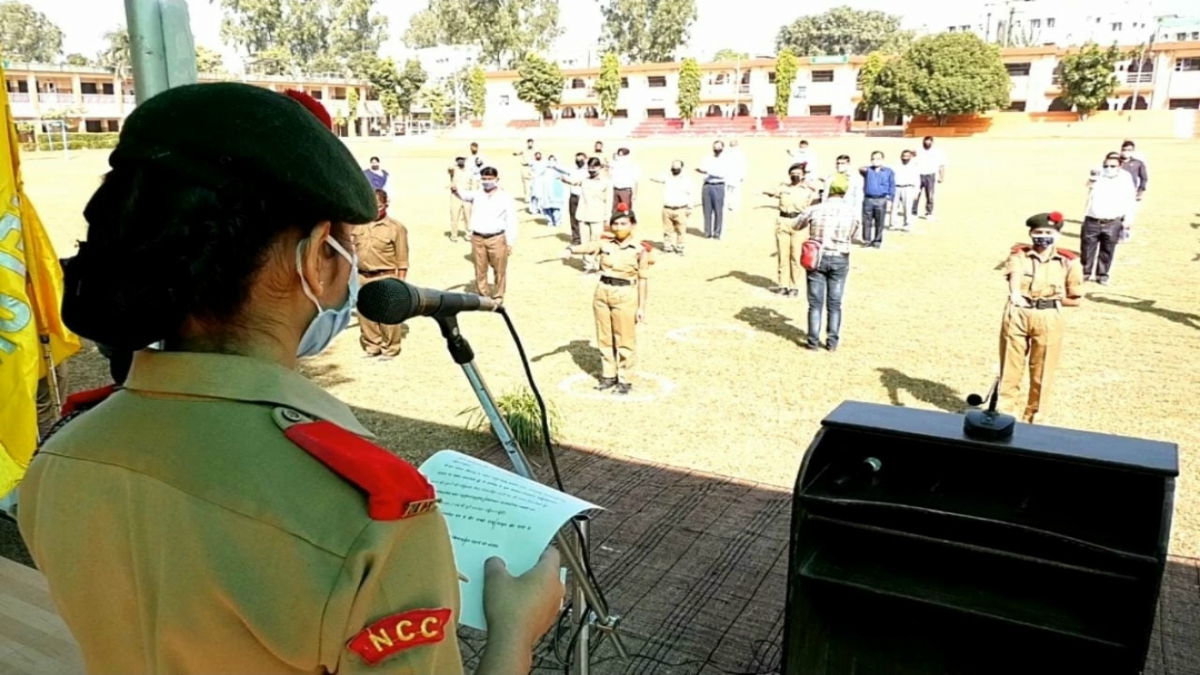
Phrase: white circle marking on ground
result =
(571, 386)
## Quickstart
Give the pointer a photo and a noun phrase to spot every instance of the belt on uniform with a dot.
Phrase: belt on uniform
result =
(906, 185)
(1043, 303)
(877, 197)
(789, 214)
(371, 274)
(714, 182)
(825, 254)
(612, 281)
(488, 236)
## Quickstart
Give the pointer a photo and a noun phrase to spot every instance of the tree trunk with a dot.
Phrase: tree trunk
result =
(687, 123)
(941, 119)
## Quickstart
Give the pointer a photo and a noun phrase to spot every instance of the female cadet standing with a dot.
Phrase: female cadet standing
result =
(794, 196)
(1042, 280)
(220, 513)
(620, 299)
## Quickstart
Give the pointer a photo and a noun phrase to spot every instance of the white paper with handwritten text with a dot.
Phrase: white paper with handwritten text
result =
(493, 512)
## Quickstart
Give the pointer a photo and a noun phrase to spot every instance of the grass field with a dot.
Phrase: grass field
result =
(727, 387)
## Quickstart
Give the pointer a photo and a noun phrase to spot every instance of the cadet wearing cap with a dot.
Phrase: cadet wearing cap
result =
(220, 513)
(1042, 280)
(794, 197)
(619, 303)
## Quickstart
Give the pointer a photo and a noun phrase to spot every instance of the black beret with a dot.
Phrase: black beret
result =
(238, 138)
(1053, 219)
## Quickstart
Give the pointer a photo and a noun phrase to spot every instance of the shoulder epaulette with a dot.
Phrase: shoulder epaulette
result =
(86, 400)
(394, 488)
(1067, 253)
(1020, 248)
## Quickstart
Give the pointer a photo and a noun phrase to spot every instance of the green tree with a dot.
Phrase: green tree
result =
(476, 92)
(786, 66)
(505, 32)
(320, 36)
(608, 85)
(78, 60)
(539, 83)
(433, 96)
(409, 84)
(385, 80)
(352, 103)
(116, 56)
(844, 30)
(208, 60)
(1088, 78)
(274, 61)
(868, 80)
(730, 55)
(944, 74)
(647, 31)
(689, 90)
(27, 35)
(357, 28)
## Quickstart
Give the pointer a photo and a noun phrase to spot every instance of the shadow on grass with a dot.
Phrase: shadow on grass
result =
(695, 232)
(561, 236)
(574, 262)
(926, 391)
(746, 278)
(1182, 318)
(585, 356)
(771, 321)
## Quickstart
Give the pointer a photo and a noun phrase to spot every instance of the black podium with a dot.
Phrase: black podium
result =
(916, 550)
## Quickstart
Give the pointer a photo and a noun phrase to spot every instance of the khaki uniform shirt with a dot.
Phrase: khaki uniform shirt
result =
(1051, 276)
(382, 246)
(595, 200)
(793, 198)
(461, 178)
(619, 260)
(182, 532)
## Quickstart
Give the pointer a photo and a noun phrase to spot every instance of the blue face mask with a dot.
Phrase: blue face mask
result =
(1043, 241)
(328, 322)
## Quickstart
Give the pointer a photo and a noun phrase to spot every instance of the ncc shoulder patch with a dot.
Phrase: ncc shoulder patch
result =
(395, 489)
(398, 632)
(1067, 253)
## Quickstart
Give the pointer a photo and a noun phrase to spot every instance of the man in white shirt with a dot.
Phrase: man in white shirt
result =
(1110, 199)
(624, 174)
(715, 170)
(677, 207)
(932, 163)
(908, 190)
(493, 232)
(802, 154)
(737, 175)
(577, 175)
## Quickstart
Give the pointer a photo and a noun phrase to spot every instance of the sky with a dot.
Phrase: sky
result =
(743, 25)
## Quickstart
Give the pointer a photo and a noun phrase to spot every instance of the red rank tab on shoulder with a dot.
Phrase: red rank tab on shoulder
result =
(1067, 253)
(84, 400)
(395, 489)
(1021, 248)
(398, 632)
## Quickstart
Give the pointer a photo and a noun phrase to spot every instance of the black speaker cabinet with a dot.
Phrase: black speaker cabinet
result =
(917, 550)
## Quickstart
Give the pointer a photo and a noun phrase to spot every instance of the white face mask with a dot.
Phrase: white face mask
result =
(328, 322)
(1111, 171)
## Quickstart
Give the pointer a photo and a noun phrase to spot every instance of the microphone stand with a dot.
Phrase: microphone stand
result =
(572, 554)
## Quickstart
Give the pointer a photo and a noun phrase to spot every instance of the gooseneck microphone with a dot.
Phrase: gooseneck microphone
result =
(392, 301)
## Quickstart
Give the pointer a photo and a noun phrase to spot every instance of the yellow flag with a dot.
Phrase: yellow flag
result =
(31, 288)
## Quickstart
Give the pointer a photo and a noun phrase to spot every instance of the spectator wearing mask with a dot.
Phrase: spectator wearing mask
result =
(624, 174)
(737, 176)
(879, 191)
(677, 207)
(1111, 198)
(802, 154)
(908, 191)
(854, 193)
(461, 177)
(376, 176)
(550, 191)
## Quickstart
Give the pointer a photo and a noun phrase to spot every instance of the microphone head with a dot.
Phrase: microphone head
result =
(388, 301)
(972, 400)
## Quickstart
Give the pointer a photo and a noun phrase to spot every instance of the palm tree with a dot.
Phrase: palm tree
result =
(117, 58)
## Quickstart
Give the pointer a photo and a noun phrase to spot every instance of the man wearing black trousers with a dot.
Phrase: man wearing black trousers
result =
(579, 173)
(712, 199)
(879, 191)
(1110, 200)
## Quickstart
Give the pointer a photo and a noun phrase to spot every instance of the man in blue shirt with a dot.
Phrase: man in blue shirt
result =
(377, 177)
(879, 191)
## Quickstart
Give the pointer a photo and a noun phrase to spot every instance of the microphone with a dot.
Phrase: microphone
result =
(392, 301)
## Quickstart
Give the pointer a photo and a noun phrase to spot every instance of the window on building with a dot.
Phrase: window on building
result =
(1183, 104)
(656, 112)
(820, 110)
(746, 77)
(1017, 69)
(1191, 64)
(87, 88)
(964, 28)
(339, 93)
(822, 76)
(952, 29)
(770, 110)
(113, 125)
(578, 83)
(1050, 22)
(504, 100)
(1116, 26)
(657, 80)
(1016, 106)
(1180, 37)
(624, 82)
(315, 93)
(1196, 35)
(620, 114)
(93, 126)
(1035, 23)
(23, 86)
(771, 77)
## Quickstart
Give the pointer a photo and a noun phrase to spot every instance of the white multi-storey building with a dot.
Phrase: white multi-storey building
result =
(1029, 23)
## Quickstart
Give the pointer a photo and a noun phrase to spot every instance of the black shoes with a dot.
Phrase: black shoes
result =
(606, 383)
(624, 387)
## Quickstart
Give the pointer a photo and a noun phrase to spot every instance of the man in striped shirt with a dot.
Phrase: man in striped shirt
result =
(833, 223)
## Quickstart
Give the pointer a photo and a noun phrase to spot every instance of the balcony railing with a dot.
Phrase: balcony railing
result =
(56, 98)
(1139, 78)
(18, 97)
(129, 99)
(99, 99)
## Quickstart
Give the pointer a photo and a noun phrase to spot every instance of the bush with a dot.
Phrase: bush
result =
(520, 410)
(75, 141)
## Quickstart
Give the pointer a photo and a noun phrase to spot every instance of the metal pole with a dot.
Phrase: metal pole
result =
(147, 50)
(579, 608)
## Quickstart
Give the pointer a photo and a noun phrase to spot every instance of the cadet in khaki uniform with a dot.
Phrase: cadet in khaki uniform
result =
(794, 197)
(462, 179)
(382, 250)
(221, 513)
(527, 159)
(620, 300)
(1042, 280)
(595, 206)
